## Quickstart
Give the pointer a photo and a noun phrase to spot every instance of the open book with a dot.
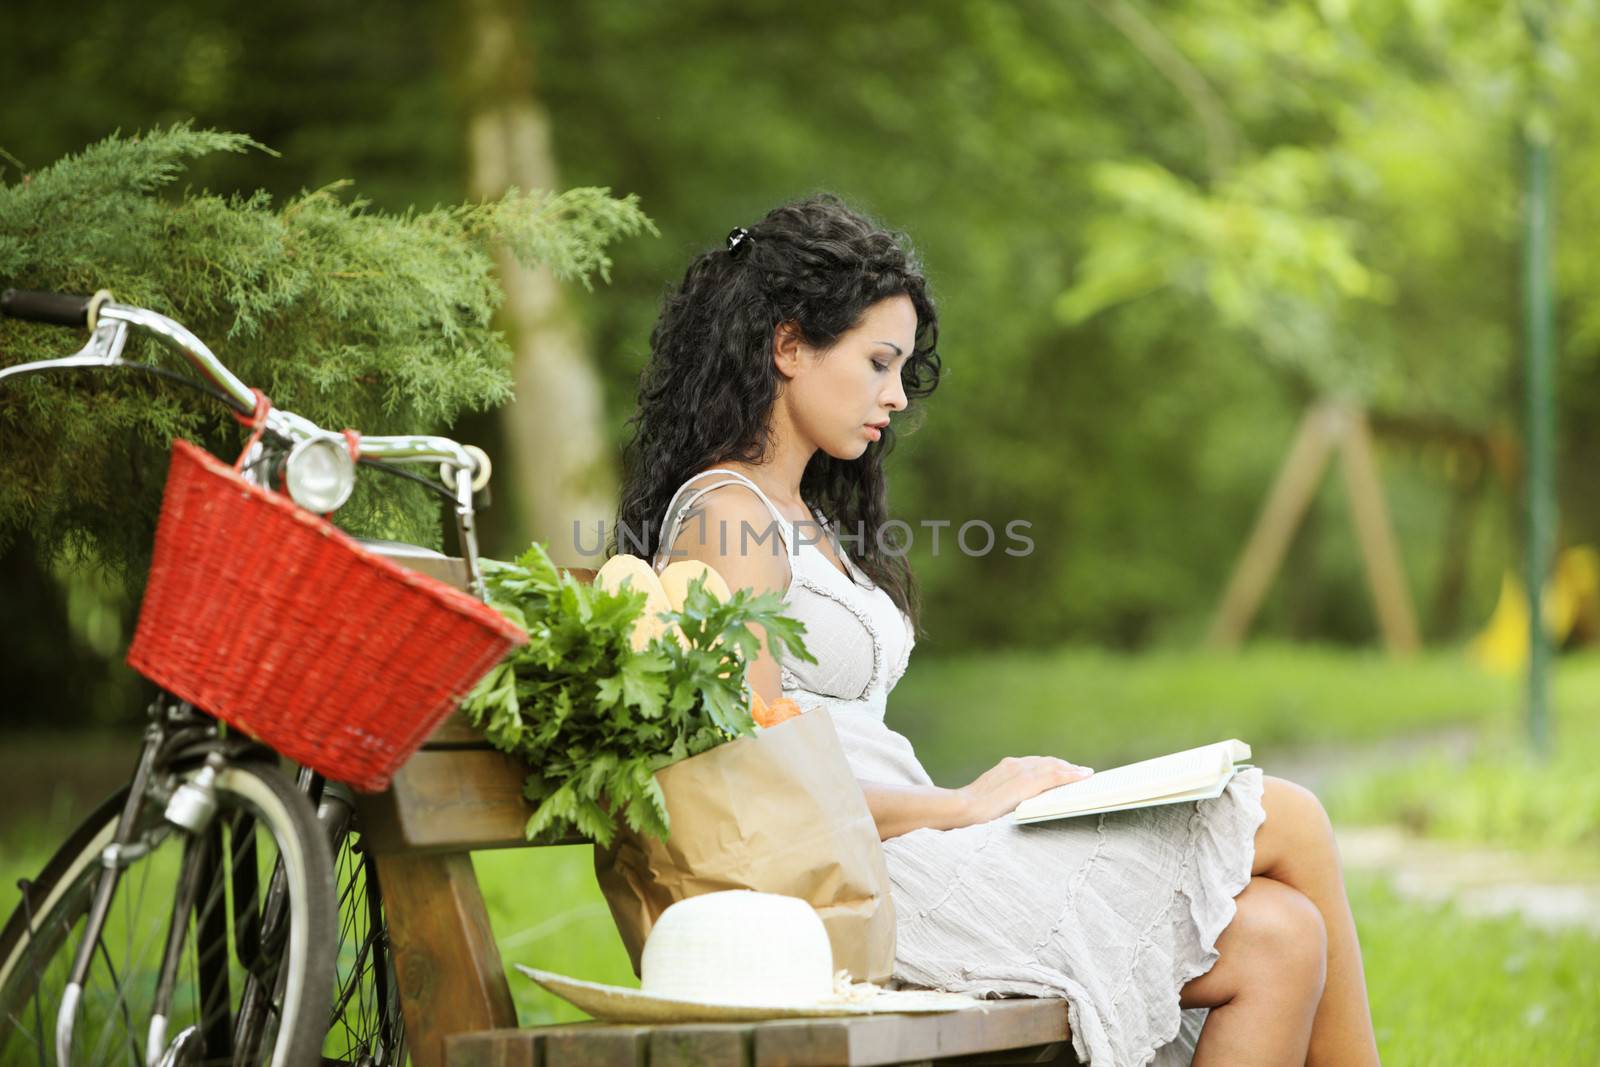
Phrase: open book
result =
(1193, 774)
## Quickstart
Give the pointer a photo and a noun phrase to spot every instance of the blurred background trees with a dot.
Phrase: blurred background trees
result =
(1157, 233)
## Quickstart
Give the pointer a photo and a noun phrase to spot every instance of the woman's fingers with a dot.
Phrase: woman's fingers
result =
(1046, 772)
(1073, 771)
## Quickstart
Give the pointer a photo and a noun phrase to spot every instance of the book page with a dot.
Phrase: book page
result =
(1206, 792)
(1177, 772)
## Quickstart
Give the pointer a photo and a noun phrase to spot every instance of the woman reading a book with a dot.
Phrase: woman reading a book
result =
(1217, 929)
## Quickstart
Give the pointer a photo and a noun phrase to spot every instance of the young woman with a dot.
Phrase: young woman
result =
(778, 369)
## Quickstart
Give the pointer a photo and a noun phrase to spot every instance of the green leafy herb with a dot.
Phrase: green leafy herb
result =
(593, 717)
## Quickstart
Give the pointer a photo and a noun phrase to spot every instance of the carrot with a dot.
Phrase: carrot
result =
(771, 715)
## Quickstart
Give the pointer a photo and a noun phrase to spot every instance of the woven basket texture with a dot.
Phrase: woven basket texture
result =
(280, 624)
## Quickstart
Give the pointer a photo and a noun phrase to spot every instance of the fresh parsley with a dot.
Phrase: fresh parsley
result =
(594, 719)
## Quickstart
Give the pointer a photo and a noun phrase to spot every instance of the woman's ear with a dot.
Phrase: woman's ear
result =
(787, 345)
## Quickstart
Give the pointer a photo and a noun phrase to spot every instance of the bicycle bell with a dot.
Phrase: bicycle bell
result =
(320, 474)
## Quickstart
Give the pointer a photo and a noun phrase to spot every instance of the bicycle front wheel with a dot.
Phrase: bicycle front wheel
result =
(249, 964)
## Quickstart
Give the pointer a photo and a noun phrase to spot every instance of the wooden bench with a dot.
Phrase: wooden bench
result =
(458, 795)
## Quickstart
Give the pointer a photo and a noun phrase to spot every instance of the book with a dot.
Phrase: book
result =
(1193, 774)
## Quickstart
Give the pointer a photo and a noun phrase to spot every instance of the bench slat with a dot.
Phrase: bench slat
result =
(1055, 1054)
(451, 801)
(1034, 1029)
(597, 1046)
(588, 1043)
(456, 732)
(885, 1039)
(699, 1045)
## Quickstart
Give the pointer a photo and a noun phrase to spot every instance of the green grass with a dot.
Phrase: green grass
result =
(548, 913)
(1501, 792)
(1451, 990)
(1104, 708)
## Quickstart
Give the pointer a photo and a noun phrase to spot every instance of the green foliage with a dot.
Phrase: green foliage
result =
(1362, 235)
(1321, 246)
(1500, 792)
(1507, 798)
(348, 316)
(1255, 251)
(593, 717)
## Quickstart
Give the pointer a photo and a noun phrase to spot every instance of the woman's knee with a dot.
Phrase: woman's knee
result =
(1297, 824)
(1275, 948)
(1283, 933)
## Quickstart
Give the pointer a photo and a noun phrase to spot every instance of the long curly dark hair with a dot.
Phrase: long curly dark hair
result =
(706, 395)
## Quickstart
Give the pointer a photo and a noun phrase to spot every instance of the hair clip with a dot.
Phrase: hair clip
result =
(739, 237)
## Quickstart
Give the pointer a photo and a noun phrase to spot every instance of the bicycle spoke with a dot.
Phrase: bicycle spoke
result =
(358, 1027)
(27, 888)
(122, 984)
(347, 878)
(351, 987)
(194, 990)
(127, 1018)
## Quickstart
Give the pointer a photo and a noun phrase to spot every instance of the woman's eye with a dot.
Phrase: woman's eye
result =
(881, 367)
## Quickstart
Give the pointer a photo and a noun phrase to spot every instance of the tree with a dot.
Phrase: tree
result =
(558, 454)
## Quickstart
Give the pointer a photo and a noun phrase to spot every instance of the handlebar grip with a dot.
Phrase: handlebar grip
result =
(58, 309)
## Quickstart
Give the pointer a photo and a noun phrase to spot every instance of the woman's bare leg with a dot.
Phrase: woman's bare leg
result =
(1296, 846)
(1264, 989)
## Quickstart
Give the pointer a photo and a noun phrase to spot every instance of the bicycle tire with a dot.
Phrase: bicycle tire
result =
(257, 808)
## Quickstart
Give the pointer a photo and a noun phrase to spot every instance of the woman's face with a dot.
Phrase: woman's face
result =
(837, 395)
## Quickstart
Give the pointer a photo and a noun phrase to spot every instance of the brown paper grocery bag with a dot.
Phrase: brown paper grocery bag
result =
(779, 812)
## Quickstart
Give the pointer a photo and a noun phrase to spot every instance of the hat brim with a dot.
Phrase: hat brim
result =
(620, 1004)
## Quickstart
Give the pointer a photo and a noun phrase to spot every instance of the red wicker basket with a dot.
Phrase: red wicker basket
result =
(278, 623)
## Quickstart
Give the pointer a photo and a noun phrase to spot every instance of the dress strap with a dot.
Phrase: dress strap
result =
(669, 521)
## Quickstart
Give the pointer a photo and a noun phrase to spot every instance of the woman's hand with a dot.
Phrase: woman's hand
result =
(1014, 779)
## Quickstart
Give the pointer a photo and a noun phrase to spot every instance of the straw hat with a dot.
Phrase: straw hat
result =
(737, 955)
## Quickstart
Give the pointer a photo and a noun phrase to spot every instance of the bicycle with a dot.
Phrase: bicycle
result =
(288, 962)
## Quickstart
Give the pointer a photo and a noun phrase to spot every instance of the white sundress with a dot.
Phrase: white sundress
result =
(1115, 913)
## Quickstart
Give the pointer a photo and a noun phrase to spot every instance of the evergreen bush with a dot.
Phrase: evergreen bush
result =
(349, 316)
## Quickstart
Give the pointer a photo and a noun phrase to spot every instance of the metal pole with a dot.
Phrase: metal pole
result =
(1539, 327)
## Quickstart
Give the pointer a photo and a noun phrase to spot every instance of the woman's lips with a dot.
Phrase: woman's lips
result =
(873, 432)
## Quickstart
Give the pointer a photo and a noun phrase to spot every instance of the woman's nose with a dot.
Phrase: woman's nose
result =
(896, 397)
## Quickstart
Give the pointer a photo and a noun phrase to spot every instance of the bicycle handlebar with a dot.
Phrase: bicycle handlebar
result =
(464, 470)
(65, 309)
(56, 309)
